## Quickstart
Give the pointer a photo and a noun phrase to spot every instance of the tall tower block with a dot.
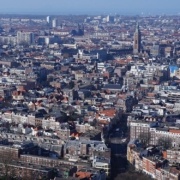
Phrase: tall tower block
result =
(137, 40)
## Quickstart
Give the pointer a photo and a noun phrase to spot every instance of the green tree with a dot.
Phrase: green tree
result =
(165, 142)
(145, 138)
(71, 84)
(132, 176)
(6, 168)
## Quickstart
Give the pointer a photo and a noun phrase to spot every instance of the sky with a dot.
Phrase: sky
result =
(58, 7)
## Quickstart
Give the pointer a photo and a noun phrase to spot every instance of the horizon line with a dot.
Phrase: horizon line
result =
(88, 14)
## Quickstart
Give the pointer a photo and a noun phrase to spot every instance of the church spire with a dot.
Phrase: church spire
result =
(137, 40)
(137, 27)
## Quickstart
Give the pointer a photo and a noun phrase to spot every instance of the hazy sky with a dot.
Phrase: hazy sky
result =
(90, 6)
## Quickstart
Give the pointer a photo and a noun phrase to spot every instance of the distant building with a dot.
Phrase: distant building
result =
(54, 23)
(110, 19)
(25, 37)
(48, 19)
(155, 50)
(8, 40)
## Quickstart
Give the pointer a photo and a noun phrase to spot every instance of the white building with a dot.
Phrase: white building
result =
(48, 19)
(54, 23)
(8, 39)
(25, 37)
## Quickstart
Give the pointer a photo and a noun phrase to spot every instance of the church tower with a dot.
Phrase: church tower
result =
(137, 40)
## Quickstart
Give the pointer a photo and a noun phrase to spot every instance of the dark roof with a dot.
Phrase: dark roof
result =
(112, 86)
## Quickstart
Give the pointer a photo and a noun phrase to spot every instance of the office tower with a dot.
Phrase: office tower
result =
(25, 37)
(110, 19)
(137, 40)
(48, 19)
(54, 23)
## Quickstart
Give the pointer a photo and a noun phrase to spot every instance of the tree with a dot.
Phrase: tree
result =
(166, 142)
(71, 84)
(66, 55)
(6, 159)
(132, 176)
(145, 138)
(93, 123)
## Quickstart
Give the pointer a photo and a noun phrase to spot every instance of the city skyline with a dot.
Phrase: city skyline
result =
(89, 90)
(56, 7)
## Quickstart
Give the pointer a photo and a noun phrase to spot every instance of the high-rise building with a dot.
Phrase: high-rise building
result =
(137, 40)
(48, 19)
(54, 23)
(110, 19)
(25, 37)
